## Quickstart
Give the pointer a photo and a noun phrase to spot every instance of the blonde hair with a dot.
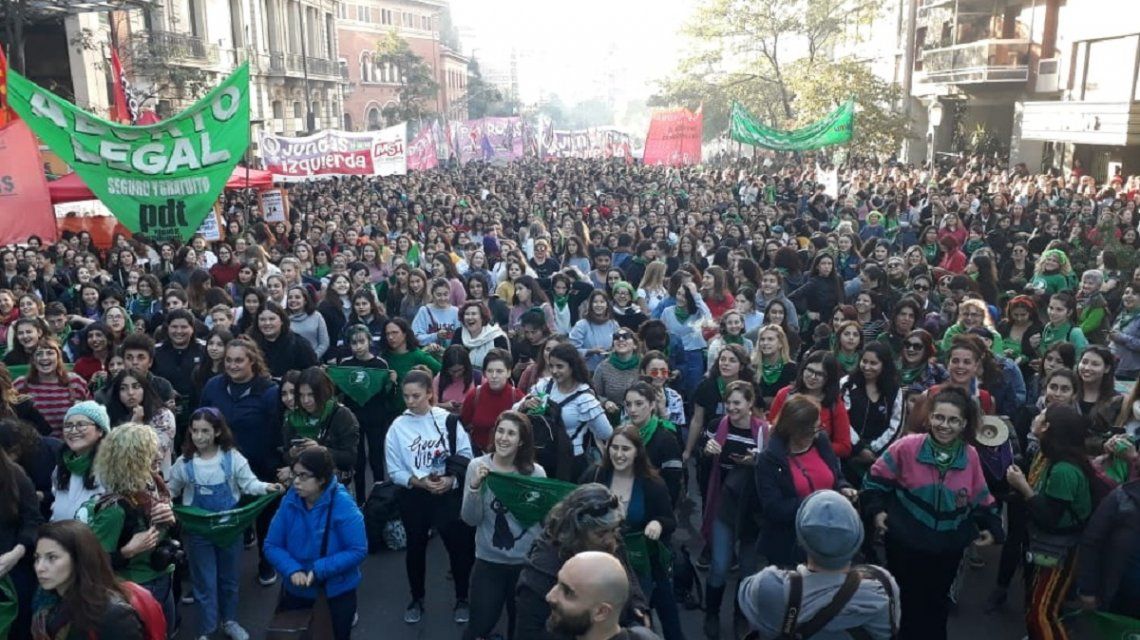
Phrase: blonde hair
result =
(654, 277)
(784, 349)
(126, 458)
(980, 305)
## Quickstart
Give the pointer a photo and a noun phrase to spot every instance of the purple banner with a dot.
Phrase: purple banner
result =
(589, 143)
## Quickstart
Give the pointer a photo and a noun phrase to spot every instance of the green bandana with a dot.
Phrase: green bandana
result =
(624, 364)
(307, 426)
(681, 313)
(728, 339)
(944, 454)
(222, 528)
(78, 464)
(527, 498)
(655, 422)
(560, 302)
(930, 251)
(1124, 319)
(360, 384)
(907, 376)
(770, 373)
(847, 362)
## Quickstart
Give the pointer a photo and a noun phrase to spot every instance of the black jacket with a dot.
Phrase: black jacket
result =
(119, 621)
(22, 530)
(1110, 539)
(658, 503)
(777, 492)
(287, 352)
(177, 366)
(538, 577)
(339, 434)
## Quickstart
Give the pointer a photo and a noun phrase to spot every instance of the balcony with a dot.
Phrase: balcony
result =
(175, 48)
(984, 61)
(1080, 122)
(295, 65)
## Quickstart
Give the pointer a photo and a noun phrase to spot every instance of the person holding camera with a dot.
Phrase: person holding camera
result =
(426, 451)
(133, 520)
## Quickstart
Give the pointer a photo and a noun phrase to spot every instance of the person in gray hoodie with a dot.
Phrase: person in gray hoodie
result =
(830, 531)
(305, 321)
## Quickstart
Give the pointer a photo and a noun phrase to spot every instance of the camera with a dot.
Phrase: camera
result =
(167, 552)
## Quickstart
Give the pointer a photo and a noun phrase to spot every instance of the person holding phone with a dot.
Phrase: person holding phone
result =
(320, 419)
(455, 378)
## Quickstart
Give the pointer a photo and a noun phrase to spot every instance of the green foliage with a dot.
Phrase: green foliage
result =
(740, 52)
(418, 88)
(485, 99)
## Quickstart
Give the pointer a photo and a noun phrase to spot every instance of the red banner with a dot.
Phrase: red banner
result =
(421, 153)
(120, 111)
(674, 138)
(6, 114)
(25, 204)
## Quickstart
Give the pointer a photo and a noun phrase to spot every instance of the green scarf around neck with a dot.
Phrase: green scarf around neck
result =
(651, 427)
(624, 364)
(681, 313)
(944, 454)
(730, 339)
(78, 464)
(907, 376)
(307, 426)
(560, 302)
(848, 362)
(770, 373)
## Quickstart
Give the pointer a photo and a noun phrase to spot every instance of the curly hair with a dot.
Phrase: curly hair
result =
(589, 508)
(125, 459)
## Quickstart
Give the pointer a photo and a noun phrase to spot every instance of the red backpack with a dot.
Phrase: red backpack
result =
(149, 610)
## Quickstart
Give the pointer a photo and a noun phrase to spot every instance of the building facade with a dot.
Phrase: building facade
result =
(361, 24)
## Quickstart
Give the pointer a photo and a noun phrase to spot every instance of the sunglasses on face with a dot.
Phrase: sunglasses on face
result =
(921, 287)
(914, 346)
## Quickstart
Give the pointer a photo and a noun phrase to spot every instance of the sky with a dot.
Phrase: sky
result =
(566, 47)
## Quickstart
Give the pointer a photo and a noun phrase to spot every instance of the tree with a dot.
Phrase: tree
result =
(417, 86)
(773, 56)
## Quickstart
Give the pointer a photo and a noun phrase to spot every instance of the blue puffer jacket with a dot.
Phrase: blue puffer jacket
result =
(294, 541)
(254, 417)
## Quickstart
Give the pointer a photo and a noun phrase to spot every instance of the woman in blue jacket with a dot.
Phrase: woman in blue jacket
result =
(250, 402)
(315, 503)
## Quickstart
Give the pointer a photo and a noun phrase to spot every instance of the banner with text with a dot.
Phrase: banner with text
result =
(589, 143)
(162, 179)
(674, 138)
(336, 153)
(487, 139)
(835, 128)
(25, 202)
(422, 150)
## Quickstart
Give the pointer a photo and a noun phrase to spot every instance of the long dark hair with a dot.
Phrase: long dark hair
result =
(831, 371)
(223, 437)
(119, 413)
(888, 381)
(642, 467)
(524, 457)
(567, 353)
(456, 354)
(1064, 440)
(92, 581)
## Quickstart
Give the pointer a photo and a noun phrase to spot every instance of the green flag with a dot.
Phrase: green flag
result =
(836, 128)
(9, 605)
(222, 527)
(528, 499)
(641, 551)
(161, 179)
(360, 383)
(1111, 626)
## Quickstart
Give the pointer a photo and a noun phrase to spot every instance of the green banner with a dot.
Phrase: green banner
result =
(836, 128)
(1111, 626)
(528, 499)
(161, 179)
(222, 528)
(641, 551)
(360, 383)
(9, 605)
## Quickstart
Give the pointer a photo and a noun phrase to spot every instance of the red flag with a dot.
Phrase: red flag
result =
(6, 113)
(25, 201)
(120, 111)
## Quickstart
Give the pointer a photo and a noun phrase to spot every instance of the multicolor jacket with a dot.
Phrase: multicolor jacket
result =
(926, 509)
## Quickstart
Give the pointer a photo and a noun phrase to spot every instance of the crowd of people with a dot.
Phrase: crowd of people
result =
(925, 363)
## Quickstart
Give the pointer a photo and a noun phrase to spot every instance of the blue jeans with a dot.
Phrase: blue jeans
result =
(162, 590)
(662, 600)
(215, 572)
(723, 544)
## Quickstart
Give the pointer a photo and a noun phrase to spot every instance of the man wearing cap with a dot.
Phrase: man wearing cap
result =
(830, 531)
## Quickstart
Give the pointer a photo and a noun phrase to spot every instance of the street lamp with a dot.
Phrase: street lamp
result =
(934, 118)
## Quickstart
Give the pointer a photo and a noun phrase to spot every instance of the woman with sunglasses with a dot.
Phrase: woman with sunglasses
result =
(818, 378)
(618, 371)
(670, 406)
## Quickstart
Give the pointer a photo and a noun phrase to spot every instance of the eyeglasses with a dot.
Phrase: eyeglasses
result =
(815, 373)
(78, 426)
(302, 476)
(952, 421)
(913, 346)
(921, 287)
(658, 373)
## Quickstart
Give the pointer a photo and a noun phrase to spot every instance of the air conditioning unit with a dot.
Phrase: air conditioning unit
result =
(1047, 76)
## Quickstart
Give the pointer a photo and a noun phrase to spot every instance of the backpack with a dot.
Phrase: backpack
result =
(381, 508)
(150, 612)
(553, 447)
(792, 629)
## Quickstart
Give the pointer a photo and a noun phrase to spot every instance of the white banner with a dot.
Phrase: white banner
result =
(336, 153)
(274, 205)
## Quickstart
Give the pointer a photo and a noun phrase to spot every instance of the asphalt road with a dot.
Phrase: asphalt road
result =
(384, 594)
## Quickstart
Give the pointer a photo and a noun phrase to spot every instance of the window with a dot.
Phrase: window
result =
(374, 120)
(297, 113)
(348, 122)
(278, 109)
(342, 11)
(1102, 78)
(366, 66)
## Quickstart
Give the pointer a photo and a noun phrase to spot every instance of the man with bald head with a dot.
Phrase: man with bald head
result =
(588, 598)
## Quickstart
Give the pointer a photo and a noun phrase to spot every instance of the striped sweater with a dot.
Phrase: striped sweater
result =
(53, 400)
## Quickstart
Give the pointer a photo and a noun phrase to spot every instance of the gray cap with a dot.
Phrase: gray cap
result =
(829, 529)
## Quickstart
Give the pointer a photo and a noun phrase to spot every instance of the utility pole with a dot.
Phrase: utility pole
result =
(310, 120)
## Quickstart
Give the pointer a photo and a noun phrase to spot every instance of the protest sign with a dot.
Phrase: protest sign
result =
(674, 138)
(835, 128)
(274, 205)
(336, 153)
(161, 179)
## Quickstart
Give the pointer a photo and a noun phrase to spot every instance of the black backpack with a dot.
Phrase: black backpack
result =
(381, 508)
(553, 447)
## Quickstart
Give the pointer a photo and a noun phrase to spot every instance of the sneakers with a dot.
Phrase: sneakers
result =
(234, 631)
(266, 575)
(415, 612)
(462, 612)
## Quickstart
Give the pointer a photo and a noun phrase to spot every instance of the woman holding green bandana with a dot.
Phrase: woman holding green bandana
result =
(319, 419)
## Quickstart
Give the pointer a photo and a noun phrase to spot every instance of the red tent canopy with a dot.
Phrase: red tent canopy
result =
(71, 188)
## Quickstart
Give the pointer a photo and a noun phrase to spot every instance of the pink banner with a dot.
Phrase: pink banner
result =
(25, 202)
(674, 138)
(421, 153)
